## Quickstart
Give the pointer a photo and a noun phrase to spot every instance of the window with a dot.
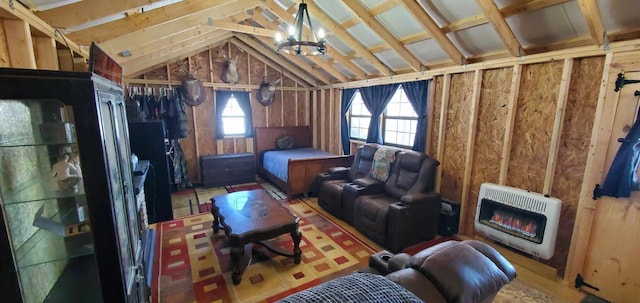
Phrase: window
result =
(360, 118)
(233, 118)
(399, 120)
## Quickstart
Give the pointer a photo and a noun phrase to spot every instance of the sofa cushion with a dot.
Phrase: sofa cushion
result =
(356, 287)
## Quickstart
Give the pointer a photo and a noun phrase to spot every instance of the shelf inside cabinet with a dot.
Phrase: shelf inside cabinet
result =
(26, 142)
(40, 190)
(45, 246)
(66, 223)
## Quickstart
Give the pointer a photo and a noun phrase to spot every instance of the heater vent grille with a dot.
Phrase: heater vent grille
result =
(516, 199)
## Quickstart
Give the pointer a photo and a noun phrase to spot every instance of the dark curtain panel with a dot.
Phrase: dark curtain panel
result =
(244, 101)
(376, 98)
(347, 99)
(417, 93)
(621, 178)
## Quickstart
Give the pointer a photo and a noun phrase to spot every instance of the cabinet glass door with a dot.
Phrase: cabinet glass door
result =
(120, 176)
(43, 203)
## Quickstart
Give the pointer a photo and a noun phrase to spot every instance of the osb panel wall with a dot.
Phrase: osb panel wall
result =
(455, 135)
(574, 145)
(489, 136)
(435, 116)
(533, 127)
(288, 109)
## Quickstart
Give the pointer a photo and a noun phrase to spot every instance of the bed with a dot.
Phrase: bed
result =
(301, 167)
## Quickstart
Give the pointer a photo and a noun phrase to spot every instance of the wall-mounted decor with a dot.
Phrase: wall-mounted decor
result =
(192, 88)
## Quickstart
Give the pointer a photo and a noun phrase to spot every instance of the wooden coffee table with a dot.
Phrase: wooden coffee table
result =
(249, 217)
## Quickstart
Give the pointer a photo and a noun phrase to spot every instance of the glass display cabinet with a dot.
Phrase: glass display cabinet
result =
(69, 230)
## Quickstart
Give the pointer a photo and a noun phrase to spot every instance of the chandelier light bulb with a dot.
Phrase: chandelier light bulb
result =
(292, 31)
(278, 37)
(321, 34)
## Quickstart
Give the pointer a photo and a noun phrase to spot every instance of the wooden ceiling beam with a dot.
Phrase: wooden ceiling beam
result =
(315, 59)
(427, 22)
(13, 11)
(500, 25)
(333, 27)
(365, 15)
(81, 12)
(262, 53)
(286, 17)
(172, 52)
(383, 7)
(174, 13)
(181, 27)
(141, 50)
(246, 29)
(592, 16)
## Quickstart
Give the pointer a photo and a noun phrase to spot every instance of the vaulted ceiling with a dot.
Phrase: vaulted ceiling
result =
(366, 38)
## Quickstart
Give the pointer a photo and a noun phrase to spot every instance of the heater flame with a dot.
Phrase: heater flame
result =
(513, 223)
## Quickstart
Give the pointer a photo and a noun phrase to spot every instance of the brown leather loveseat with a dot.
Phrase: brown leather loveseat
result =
(450, 272)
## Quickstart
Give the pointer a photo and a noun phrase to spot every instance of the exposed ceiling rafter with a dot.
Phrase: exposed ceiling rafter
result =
(500, 24)
(592, 16)
(367, 17)
(427, 22)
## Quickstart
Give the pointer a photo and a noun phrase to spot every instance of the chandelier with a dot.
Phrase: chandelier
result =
(294, 44)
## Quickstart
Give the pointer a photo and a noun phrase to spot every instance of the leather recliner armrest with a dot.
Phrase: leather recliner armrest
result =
(430, 197)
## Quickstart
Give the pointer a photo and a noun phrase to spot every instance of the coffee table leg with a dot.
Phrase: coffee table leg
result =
(240, 258)
(216, 223)
(296, 236)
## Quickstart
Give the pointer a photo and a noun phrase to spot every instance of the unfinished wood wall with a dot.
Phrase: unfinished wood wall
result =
(526, 125)
(291, 106)
(525, 148)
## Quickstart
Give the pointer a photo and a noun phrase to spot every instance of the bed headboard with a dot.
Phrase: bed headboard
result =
(265, 137)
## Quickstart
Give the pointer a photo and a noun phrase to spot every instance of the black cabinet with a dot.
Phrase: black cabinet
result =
(148, 142)
(227, 169)
(69, 229)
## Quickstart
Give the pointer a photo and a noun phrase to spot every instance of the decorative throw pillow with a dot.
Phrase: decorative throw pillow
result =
(285, 142)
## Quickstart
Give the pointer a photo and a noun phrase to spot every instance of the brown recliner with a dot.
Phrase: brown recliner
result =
(405, 210)
(450, 272)
(331, 183)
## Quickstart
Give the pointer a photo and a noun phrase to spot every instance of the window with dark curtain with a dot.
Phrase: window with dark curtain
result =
(347, 99)
(376, 99)
(244, 101)
(417, 92)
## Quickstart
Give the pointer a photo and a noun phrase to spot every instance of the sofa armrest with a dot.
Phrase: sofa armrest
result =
(412, 220)
(430, 197)
(334, 173)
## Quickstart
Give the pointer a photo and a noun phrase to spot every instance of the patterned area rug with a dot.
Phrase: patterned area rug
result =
(194, 265)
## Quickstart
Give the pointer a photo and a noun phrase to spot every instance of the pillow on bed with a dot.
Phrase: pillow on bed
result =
(285, 142)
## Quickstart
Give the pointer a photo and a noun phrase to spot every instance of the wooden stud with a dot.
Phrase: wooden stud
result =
(430, 101)
(468, 163)
(323, 113)
(511, 118)
(46, 54)
(19, 44)
(315, 119)
(594, 170)
(561, 106)
(444, 108)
